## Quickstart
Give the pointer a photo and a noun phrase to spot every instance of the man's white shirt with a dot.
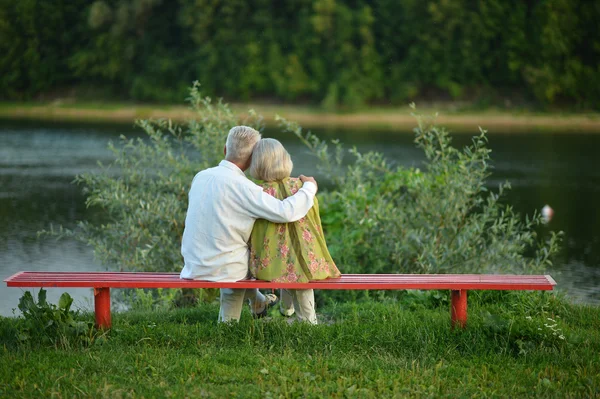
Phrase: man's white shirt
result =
(223, 205)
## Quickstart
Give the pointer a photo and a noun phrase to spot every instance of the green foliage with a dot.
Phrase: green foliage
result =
(147, 300)
(131, 49)
(561, 70)
(334, 53)
(248, 50)
(36, 38)
(48, 324)
(381, 218)
(165, 299)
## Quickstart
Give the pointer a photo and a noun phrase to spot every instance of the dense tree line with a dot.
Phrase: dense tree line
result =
(322, 51)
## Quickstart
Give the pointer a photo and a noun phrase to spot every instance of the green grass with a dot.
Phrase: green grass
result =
(370, 349)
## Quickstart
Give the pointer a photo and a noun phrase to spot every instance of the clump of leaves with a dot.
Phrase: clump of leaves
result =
(46, 323)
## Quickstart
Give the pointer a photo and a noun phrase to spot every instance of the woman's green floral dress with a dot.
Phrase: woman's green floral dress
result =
(290, 252)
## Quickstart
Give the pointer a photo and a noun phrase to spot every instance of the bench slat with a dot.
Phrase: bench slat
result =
(346, 281)
(102, 282)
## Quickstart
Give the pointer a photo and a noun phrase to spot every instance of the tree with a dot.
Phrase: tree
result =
(36, 40)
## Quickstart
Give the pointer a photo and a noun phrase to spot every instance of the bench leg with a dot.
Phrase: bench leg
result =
(102, 307)
(458, 312)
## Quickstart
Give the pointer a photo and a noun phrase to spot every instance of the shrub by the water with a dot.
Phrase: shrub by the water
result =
(384, 218)
(378, 217)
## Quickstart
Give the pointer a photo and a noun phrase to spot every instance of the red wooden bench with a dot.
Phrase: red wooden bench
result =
(458, 284)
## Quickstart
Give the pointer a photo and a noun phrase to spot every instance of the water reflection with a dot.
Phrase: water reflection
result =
(39, 162)
(37, 167)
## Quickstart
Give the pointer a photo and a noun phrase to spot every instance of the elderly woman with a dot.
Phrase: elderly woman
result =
(287, 252)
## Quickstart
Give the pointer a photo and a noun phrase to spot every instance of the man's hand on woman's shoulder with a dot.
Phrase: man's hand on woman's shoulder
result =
(311, 179)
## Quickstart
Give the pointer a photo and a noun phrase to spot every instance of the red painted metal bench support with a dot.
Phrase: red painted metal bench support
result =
(458, 313)
(458, 284)
(102, 307)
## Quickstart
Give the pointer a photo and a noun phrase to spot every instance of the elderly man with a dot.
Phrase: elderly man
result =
(223, 205)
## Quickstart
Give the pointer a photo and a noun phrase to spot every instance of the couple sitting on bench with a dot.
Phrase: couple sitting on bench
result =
(234, 226)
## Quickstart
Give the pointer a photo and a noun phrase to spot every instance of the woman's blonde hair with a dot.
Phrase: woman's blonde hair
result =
(270, 161)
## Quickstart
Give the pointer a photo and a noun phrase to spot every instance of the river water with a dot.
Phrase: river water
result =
(38, 162)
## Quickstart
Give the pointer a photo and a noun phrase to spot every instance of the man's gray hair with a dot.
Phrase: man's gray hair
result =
(240, 143)
(270, 161)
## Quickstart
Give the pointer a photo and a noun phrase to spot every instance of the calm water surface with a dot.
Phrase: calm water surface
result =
(38, 162)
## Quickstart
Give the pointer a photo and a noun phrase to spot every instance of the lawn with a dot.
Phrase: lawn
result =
(516, 344)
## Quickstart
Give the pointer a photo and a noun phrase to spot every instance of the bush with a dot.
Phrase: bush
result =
(378, 218)
(381, 218)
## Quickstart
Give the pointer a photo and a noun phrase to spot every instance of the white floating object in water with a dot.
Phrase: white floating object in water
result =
(547, 213)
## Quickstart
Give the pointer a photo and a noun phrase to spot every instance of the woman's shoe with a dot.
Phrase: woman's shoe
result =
(270, 301)
(286, 312)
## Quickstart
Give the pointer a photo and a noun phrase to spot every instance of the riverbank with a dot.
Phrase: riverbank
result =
(384, 119)
(516, 344)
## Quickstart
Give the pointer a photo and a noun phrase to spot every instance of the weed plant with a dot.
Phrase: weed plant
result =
(44, 323)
